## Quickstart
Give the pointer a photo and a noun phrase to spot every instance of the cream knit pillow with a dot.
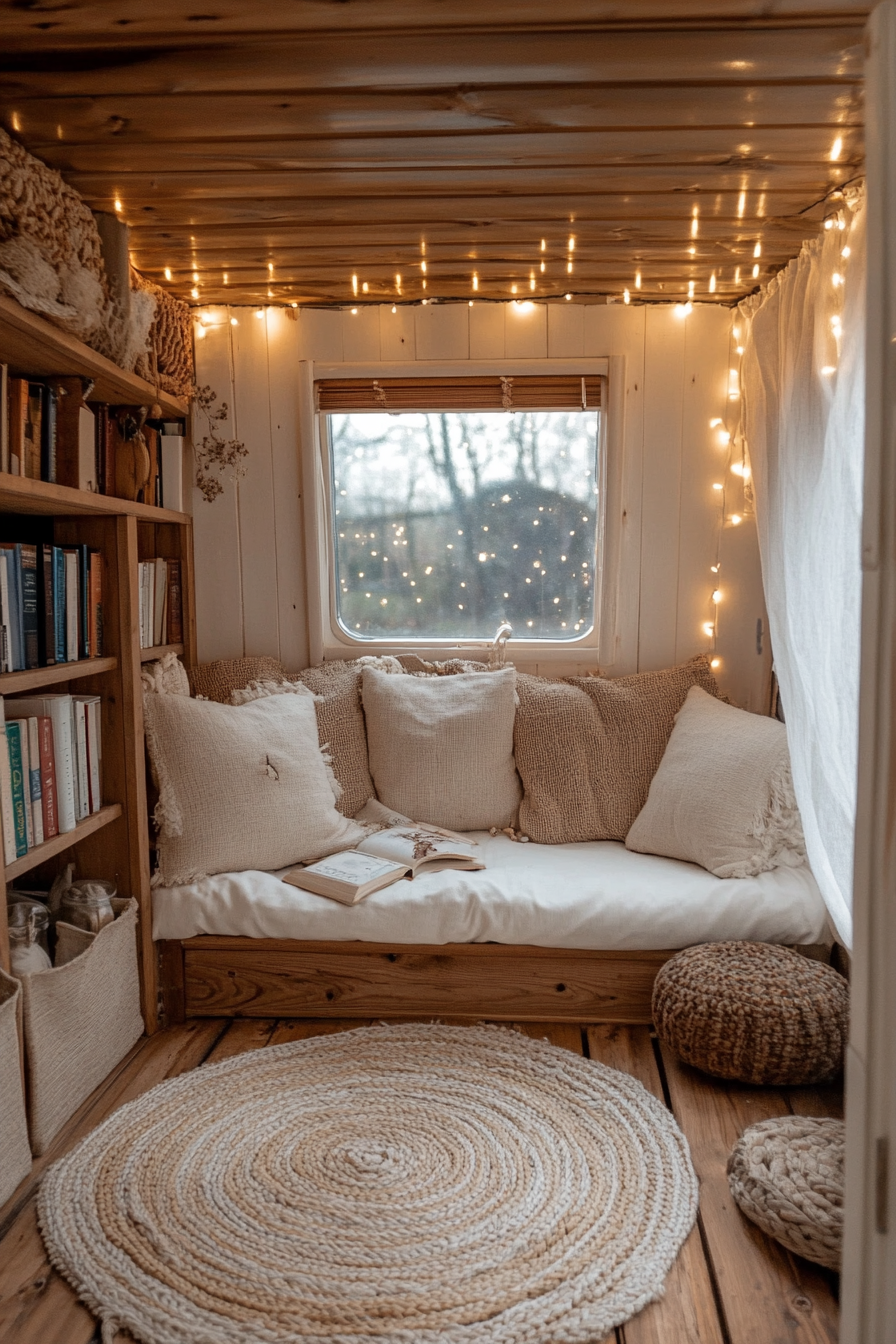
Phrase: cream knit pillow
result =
(441, 748)
(723, 794)
(240, 786)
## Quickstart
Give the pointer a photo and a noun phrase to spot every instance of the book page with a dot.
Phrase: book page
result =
(353, 868)
(414, 845)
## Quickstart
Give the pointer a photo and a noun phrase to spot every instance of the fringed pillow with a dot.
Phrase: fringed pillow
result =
(723, 794)
(240, 787)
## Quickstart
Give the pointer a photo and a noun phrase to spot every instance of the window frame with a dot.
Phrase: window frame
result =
(327, 637)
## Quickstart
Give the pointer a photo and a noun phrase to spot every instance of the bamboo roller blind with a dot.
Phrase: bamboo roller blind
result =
(492, 393)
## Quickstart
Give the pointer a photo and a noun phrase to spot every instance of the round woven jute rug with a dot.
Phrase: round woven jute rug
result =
(403, 1184)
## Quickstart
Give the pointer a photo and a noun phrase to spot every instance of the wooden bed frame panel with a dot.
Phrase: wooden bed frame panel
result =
(213, 976)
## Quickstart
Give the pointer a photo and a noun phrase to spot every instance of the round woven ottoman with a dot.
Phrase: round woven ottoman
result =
(755, 1012)
(787, 1177)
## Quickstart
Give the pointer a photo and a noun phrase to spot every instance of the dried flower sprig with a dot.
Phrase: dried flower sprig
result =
(215, 456)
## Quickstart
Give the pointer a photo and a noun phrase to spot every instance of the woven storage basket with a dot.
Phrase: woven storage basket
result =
(80, 1019)
(787, 1177)
(15, 1155)
(756, 1012)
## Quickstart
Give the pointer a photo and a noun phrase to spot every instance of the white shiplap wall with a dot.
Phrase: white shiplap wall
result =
(250, 580)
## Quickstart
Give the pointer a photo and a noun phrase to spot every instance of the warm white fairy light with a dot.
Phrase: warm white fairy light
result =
(844, 252)
(194, 293)
(572, 243)
(475, 281)
(741, 204)
(544, 244)
(394, 309)
(398, 283)
(365, 287)
(836, 149)
(637, 279)
(568, 297)
(167, 272)
(716, 420)
(532, 280)
(569, 268)
(757, 250)
(543, 268)
(712, 283)
(423, 267)
(691, 284)
(355, 285)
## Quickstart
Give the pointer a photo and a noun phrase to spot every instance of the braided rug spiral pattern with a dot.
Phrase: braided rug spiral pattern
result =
(753, 1011)
(404, 1184)
(787, 1177)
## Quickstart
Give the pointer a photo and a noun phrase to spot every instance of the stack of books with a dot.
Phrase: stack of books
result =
(51, 605)
(50, 767)
(161, 612)
(48, 432)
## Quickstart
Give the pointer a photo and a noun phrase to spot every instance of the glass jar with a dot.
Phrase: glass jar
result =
(24, 901)
(27, 927)
(88, 904)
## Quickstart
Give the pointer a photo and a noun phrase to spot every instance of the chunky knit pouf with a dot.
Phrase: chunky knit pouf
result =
(390, 1185)
(756, 1012)
(787, 1177)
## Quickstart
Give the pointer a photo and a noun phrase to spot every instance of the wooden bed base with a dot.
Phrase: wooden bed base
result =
(279, 977)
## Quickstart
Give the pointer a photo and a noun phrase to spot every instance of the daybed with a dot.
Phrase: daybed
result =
(544, 932)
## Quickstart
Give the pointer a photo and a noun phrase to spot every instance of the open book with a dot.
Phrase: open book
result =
(395, 852)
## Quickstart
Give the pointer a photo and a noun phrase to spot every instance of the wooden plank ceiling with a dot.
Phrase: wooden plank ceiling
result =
(271, 153)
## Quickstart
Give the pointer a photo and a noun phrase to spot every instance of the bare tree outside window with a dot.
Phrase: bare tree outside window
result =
(448, 523)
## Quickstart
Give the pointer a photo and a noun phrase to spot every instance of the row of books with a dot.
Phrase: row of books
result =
(48, 432)
(50, 767)
(161, 610)
(51, 605)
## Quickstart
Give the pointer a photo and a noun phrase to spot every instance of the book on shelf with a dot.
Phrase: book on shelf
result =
(57, 707)
(53, 757)
(161, 614)
(7, 815)
(51, 605)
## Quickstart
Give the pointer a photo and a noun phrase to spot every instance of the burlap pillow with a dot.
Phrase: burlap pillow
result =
(240, 786)
(441, 748)
(217, 681)
(340, 723)
(723, 794)
(588, 747)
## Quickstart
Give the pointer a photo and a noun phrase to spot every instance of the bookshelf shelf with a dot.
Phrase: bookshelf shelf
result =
(50, 848)
(13, 682)
(149, 655)
(35, 348)
(20, 494)
(114, 842)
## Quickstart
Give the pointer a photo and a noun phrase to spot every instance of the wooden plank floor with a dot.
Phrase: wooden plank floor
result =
(730, 1284)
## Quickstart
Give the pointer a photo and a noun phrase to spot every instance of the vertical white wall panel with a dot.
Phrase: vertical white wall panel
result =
(398, 339)
(566, 330)
(321, 334)
(360, 335)
(443, 331)
(661, 489)
(703, 463)
(283, 361)
(617, 330)
(526, 331)
(216, 526)
(255, 490)
(487, 330)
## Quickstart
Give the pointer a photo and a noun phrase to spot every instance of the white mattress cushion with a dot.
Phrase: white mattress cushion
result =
(595, 894)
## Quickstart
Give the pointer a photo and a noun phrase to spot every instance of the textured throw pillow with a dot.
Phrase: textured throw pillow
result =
(340, 723)
(240, 787)
(166, 676)
(441, 748)
(723, 794)
(218, 681)
(588, 747)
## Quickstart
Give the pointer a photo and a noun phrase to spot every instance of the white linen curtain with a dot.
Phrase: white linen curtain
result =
(803, 421)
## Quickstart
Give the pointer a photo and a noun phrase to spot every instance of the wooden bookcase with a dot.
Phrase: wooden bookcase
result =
(114, 842)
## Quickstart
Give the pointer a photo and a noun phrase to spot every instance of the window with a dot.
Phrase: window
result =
(483, 507)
